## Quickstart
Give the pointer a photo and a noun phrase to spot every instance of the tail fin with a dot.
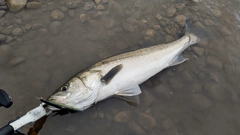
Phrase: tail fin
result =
(196, 33)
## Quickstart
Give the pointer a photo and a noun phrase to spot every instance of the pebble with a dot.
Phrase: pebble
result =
(116, 8)
(128, 27)
(4, 7)
(82, 18)
(213, 61)
(105, 1)
(19, 21)
(146, 121)
(97, 1)
(100, 7)
(216, 12)
(162, 90)
(187, 77)
(8, 30)
(16, 5)
(109, 23)
(57, 15)
(88, 6)
(208, 22)
(2, 13)
(175, 84)
(5, 51)
(150, 32)
(225, 31)
(159, 17)
(72, 4)
(17, 31)
(2, 2)
(122, 117)
(180, 20)
(136, 129)
(198, 51)
(156, 27)
(171, 11)
(201, 102)
(71, 13)
(17, 61)
(43, 30)
(2, 38)
(33, 5)
(215, 91)
(55, 27)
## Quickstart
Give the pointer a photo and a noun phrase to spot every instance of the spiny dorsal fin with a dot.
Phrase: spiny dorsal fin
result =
(131, 100)
(108, 77)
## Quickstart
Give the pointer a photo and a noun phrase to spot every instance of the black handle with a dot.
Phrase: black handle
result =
(7, 130)
(5, 99)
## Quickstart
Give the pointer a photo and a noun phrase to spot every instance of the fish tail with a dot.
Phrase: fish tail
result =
(196, 33)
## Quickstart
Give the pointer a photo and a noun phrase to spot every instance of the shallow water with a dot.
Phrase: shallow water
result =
(200, 96)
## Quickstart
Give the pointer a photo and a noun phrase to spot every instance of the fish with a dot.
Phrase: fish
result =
(120, 76)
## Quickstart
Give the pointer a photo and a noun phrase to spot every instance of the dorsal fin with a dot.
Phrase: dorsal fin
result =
(108, 77)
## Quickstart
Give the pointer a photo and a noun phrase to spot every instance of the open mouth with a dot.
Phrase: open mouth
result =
(58, 105)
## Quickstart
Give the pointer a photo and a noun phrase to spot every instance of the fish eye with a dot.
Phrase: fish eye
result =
(64, 88)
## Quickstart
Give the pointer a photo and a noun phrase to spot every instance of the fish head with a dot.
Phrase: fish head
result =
(78, 93)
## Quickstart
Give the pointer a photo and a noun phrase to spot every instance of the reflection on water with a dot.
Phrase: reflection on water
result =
(42, 47)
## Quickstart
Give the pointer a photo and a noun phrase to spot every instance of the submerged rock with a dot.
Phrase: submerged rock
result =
(2, 13)
(55, 27)
(33, 5)
(57, 15)
(171, 11)
(72, 4)
(16, 5)
(122, 117)
(17, 60)
(128, 27)
(17, 31)
(201, 102)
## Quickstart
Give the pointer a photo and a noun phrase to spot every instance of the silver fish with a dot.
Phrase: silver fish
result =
(121, 75)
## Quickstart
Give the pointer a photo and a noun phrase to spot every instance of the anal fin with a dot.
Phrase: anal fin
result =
(178, 60)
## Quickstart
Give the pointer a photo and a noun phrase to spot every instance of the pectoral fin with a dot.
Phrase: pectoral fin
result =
(178, 60)
(131, 100)
(108, 77)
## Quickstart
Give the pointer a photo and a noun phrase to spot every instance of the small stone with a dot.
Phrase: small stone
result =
(128, 27)
(93, 23)
(98, 15)
(71, 13)
(36, 26)
(9, 39)
(200, 102)
(215, 91)
(216, 12)
(55, 27)
(168, 38)
(180, 20)
(19, 21)
(97, 1)
(17, 31)
(100, 7)
(208, 22)
(4, 7)
(136, 129)
(159, 17)
(2, 13)
(88, 6)
(2, 2)
(213, 61)
(150, 32)
(82, 18)
(105, 1)
(187, 77)
(72, 4)
(8, 30)
(2, 38)
(199, 51)
(225, 31)
(43, 30)
(156, 27)
(116, 8)
(57, 15)
(171, 11)
(175, 84)
(17, 61)
(109, 23)
(33, 5)
(16, 5)
(64, 9)
(122, 117)
(146, 121)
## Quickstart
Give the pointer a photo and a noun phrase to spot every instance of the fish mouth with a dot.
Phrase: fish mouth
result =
(59, 105)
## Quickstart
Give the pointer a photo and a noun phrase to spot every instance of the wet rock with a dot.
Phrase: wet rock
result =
(4, 7)
(208, 22)
(98, 15)
(109, 23)
(116, 8)
(8, 30)
(43, 30)
(200, 102)
(180, 20)
(159, 17)
(187, 77)
(146, 121)
(97, 1)
(2, 38)
(71, 13)
(136, 129)
(17, 61)
(2, 13)
(171, 30)
(88, 6)
(180, 6)
(16, 5)
(2, 2)
(199, 51)
(225, 31)
(213, 61)
(57, 15)
(55, 27)
(169, 38)
(215, 91)
(100, 7)
(156, 27)
(9, 39)
(64, 9)
(168, 124)
(105, 1)
(82, 18)
(72, 4)
(171, 11)
(216, 12)
(150, 32)
(122, 117)
(33, 5)
(128, 27)
(19, 21)
(17, 31)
